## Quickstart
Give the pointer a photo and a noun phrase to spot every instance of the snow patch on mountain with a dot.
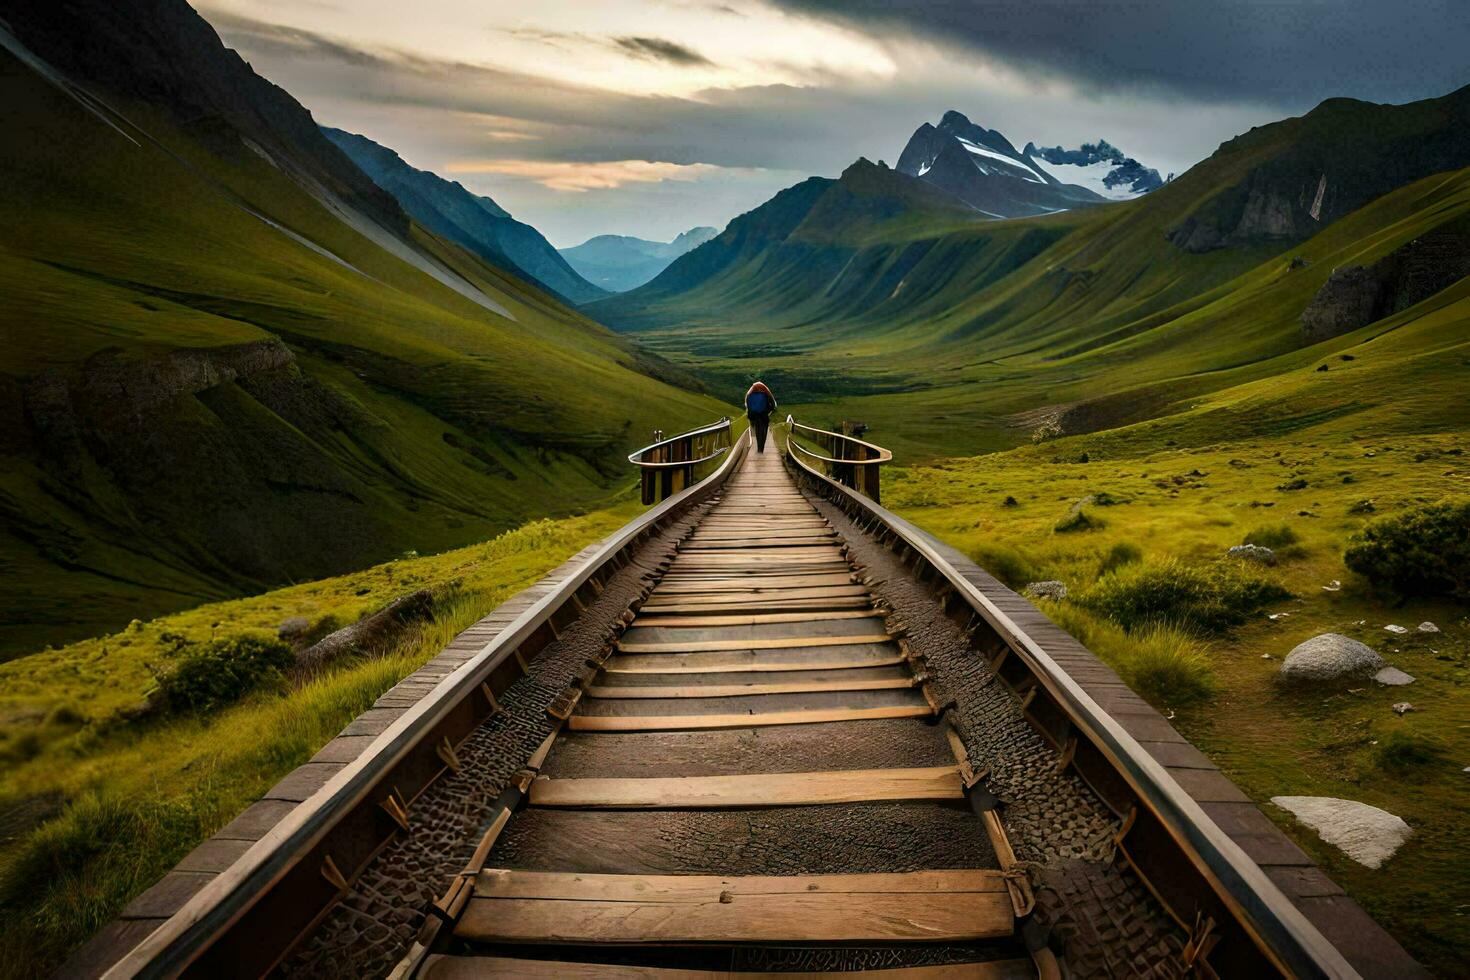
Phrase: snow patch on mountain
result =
(1100, 167)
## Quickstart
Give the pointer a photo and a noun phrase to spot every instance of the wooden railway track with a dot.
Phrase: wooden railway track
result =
(770, 542)
(755, 770)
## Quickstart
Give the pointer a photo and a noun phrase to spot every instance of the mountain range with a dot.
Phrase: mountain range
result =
(985, 170)
(233, 359)
(479, 224)
(954, 330)
(621, 262)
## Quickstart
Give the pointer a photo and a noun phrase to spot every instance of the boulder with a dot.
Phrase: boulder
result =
(1051, 589)
(1364, 833)
(1393, 677)
(1328, 657)
(1253, 552)
(293, 627)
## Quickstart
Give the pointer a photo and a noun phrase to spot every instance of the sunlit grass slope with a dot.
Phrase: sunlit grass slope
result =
(96, 808)
(214, 382)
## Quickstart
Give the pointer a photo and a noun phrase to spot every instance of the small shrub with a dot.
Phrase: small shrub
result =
(1079, 520)
(1120, 554)
(222, 671)
(1403, 752)
(1297, 484)
(1362, 507)
(1207, 598)
(1272, 536)
(1169, 667)
(1006, 564)
(1421, 552)
(1010, 502)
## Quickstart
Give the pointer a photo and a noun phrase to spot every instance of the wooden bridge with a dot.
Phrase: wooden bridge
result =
(766, 728)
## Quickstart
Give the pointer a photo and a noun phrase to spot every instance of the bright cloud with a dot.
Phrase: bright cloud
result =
(582, 177)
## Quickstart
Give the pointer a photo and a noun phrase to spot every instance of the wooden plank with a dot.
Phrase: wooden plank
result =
(662, 723)
(762, 789)
(508, 968)
(758, 604)
(748, 690)
(656, 620)
(783, 583)
(661, 664)
(753, 643)
(694, 546)
(924, 906)
(767, 599)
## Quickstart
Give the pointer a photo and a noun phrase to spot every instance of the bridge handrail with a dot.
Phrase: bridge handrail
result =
(1277, 926)
(637, 457)
(219, 905)
(883, 455)
(857, 464)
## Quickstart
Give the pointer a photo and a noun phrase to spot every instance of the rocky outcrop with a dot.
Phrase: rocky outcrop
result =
(1050, 589)
(370, 634)
(118, 390)
(1328, 657)
(1355, 296)
(1288, 180)
(1366, 834)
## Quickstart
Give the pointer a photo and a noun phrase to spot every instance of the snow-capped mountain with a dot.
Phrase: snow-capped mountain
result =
(984, 169)
(1100, 167)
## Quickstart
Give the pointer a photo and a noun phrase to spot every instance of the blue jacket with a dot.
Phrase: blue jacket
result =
(759, 403)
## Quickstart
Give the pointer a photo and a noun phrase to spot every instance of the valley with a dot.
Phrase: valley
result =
(263, 380)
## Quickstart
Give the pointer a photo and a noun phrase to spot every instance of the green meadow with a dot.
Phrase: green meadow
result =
(97, 807)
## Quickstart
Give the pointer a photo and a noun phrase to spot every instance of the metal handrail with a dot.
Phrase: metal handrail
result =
(1285, 934)
(171, 948)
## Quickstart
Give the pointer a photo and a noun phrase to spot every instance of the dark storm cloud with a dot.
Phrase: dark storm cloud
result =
(659, 49)
(1236, 50)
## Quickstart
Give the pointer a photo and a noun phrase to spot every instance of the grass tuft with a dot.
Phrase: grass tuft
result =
(1204, 598)
(1404, 753)
(1006, 564)
(1424, 551)
(1120, 554)
(1272, 536)
(1079, 520)
(1167, 665)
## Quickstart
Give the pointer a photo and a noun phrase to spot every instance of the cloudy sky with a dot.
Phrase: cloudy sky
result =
(647, 117)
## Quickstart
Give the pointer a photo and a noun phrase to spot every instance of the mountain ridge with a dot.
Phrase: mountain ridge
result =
(449, 209)
(622, 262)
(232, 362)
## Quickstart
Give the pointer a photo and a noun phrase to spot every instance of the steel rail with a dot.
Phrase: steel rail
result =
(171, 948)
(1278, 927)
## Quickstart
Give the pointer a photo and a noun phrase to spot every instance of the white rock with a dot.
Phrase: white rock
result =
(1253, 552)
(1427, 627)
(1364, 833)
(1333, 586)
(1329, 656)
(1395, 628)
(1402, 708)
(1393, 677)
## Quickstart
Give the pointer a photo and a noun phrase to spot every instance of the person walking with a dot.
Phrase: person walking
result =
(759, 404)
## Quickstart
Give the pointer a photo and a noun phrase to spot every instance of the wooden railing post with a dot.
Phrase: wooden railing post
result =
(669, 465)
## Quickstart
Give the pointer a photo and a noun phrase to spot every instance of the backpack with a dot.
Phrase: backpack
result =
(759, 403)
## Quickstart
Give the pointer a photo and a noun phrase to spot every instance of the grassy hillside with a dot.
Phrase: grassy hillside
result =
(217, 377)
(95, 807)
(958, 336)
